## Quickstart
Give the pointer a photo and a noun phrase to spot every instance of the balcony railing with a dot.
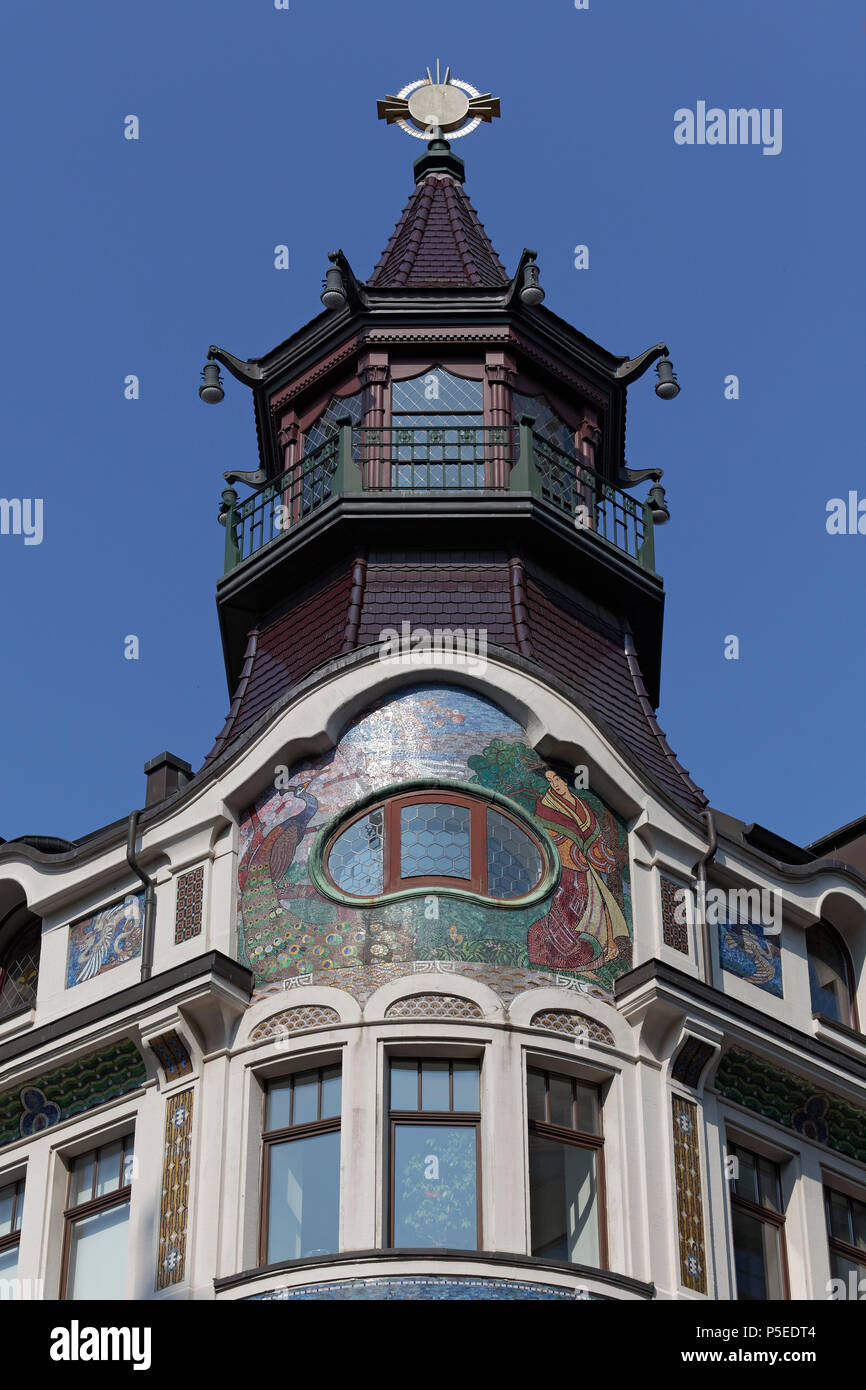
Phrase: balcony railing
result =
(428, 460)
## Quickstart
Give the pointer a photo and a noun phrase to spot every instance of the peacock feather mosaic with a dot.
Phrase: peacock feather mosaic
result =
(69, 1091)
(793, 1102)
(288, 928)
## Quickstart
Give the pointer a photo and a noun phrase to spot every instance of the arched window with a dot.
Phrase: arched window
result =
(318, 467)
(830, 975)
(20, 938)
(439, 839)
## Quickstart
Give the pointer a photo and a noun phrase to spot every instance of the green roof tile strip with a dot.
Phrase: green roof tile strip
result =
(71, 1090)
(791, 1101)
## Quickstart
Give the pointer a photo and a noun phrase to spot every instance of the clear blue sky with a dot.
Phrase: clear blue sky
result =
(259, 127)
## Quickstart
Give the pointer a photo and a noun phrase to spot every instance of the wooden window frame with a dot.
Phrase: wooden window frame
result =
(835, 1245)
(13, 1239)
(95, 1204)
(463, 1119)
(766, 1214)
(392, 880)
(578, 1137)
(307, 1130)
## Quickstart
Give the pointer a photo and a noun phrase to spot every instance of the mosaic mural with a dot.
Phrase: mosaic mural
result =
(745, 950)
(687, 1177)
(288, 928)
(418, 1289)
(793, 1102)
(71, 1090)
(188, 905)
(106, 939)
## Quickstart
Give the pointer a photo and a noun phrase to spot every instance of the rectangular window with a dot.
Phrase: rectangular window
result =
(97, 1222)
(846, 1235)
(11, 1202)
(435, 1114)
(758, 1223)
(301, 1207)
(566, 1175)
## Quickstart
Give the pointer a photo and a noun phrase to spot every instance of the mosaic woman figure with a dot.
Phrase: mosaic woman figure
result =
(585, 925)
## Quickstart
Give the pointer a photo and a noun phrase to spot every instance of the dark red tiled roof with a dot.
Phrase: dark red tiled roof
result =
(439, 241)
(579, 642)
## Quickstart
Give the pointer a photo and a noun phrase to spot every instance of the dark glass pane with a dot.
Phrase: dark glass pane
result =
(279, 1102)
(852, 1273)
(769, 1187)
(9, 1264)
(839, 1217)
(757, 1258)
(746, 1183)
(547, 423)
(7, 1207)
(355, 859)
(331, 1092)
(563, 1201)
(306, 1098)
(434, 1086)
(828, 975)
(19, 971)
(513, 862)
(326, 425)
(404, 1085)
(97, 1255)
(535, 1086)
(435, 1199)
(434, 841)
(304, 1197)
(561, 1101)
(588, 1109)
(467, 1086)
(858, 1212)
(108, 1168)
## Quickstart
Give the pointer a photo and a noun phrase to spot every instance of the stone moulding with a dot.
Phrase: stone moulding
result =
(791, 1101)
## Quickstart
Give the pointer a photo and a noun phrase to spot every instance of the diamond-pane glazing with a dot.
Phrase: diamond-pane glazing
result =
(434, 841)
(437, 390)
(547, 423)
(513, 862)
(19, 973)
(356, 860)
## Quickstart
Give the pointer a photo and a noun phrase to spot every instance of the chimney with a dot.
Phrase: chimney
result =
(165, 775)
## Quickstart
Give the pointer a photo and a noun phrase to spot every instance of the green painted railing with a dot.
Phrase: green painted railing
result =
(437, 459)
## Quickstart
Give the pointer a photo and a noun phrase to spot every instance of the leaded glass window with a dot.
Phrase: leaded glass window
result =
(19, 968)
(427, 838)
(316, 469)
(438, 438)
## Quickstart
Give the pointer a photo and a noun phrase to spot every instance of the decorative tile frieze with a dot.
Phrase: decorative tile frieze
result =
(292, 1020)
(188, 905)
(687, 1176)
(68, 1091)
(793, 1102)
(571, 1023)
(174, 1208)
(433, 1006)
(416, 1290)
(691, 1060)
(172, 1055)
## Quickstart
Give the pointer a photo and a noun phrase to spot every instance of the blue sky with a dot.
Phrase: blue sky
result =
(259, 127)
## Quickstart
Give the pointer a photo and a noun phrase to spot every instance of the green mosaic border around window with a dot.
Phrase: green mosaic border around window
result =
(791, 1101)
(549, 882)
(72, 1090)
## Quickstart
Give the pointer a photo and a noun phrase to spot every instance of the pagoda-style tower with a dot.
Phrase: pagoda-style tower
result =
(439, 448)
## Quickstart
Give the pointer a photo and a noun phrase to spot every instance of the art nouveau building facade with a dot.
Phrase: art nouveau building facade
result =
(393, 998)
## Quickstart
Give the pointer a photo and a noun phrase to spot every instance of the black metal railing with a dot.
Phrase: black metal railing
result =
(430, 459)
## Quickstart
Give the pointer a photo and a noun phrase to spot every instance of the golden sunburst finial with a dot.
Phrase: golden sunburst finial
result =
(447, 106)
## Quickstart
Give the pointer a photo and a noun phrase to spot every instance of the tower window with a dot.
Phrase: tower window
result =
(438, 432)
(435, 1107)
(301, 1188)
(566, 1176)
(434, 839)
(830, 974)
(758, 1223)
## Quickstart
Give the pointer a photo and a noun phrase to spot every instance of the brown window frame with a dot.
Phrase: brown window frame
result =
(849, 978)
(393, 882)
(766, 1214)
(95, 1204)
(13, 1239)
(580, 1138)
(835, 1245)
(465, 1119)
(271, 1137)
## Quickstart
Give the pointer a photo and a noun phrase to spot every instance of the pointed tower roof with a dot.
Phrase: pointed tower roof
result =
(439, 241)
